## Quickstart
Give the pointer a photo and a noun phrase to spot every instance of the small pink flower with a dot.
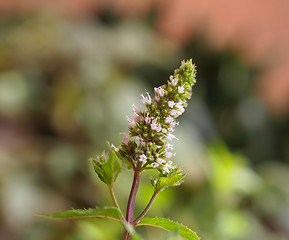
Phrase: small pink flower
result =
(114, 148)
(174, 81)
(169, 119)
(164, 130)
(147, 119)
(181, 89)
(142, 158)
(167, 167)
(160, 161)
(180, 107)
(160, 91)
(171, 77)
(159, 128)
(171, 104)
(131, 122)
(179, 104)
(125, 137)
(135, 109)
(169, 154)
(146, 100)
(174, 113)
(157, 98)
(172, 125)
(155, 165)
(169, 146)
(156, 126)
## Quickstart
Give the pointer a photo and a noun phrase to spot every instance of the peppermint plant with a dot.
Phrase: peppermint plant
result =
(147, 145)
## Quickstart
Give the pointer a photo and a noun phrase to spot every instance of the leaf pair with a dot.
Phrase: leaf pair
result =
(115, 214)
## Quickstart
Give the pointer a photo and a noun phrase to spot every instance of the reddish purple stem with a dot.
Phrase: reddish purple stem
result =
(131, 199)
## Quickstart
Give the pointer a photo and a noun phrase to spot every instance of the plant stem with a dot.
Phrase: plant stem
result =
(145, 211)
(131, 199)
(112, 194)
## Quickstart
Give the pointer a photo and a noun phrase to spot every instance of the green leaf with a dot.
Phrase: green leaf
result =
(106, 212)
(169, 225)
(107, 169)
(164, 182)
(173, 235)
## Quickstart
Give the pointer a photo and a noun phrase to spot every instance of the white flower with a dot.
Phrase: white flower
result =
(181, 89)
(167, 167)
(174, 113)
(160, 160)
(156, 126)
(171, 104)
(171, 137)
(169, 146)
(179, 104)
(160, 91)
(169, 154)
(114, 148)
(172, 125)
(180, 107)
(146, 100)
(155, 165)
(169, 119)
(142, 158)
(174, 81)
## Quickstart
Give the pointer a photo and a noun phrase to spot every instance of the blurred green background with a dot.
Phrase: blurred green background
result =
(69, 74)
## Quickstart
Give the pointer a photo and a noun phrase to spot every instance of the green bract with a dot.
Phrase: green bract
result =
(163, 182)
(107, 168)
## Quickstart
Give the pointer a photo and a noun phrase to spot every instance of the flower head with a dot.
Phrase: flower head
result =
(153, 127)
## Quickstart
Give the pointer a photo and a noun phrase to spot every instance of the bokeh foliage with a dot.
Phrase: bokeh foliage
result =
(65, 89)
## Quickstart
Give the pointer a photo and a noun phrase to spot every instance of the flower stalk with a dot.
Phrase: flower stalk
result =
(146, 145)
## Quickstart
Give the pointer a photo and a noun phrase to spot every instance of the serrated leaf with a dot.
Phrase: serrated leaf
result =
(169, 225)
(173, 235)
(105, 212)
(107, 169)
(172, 180)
